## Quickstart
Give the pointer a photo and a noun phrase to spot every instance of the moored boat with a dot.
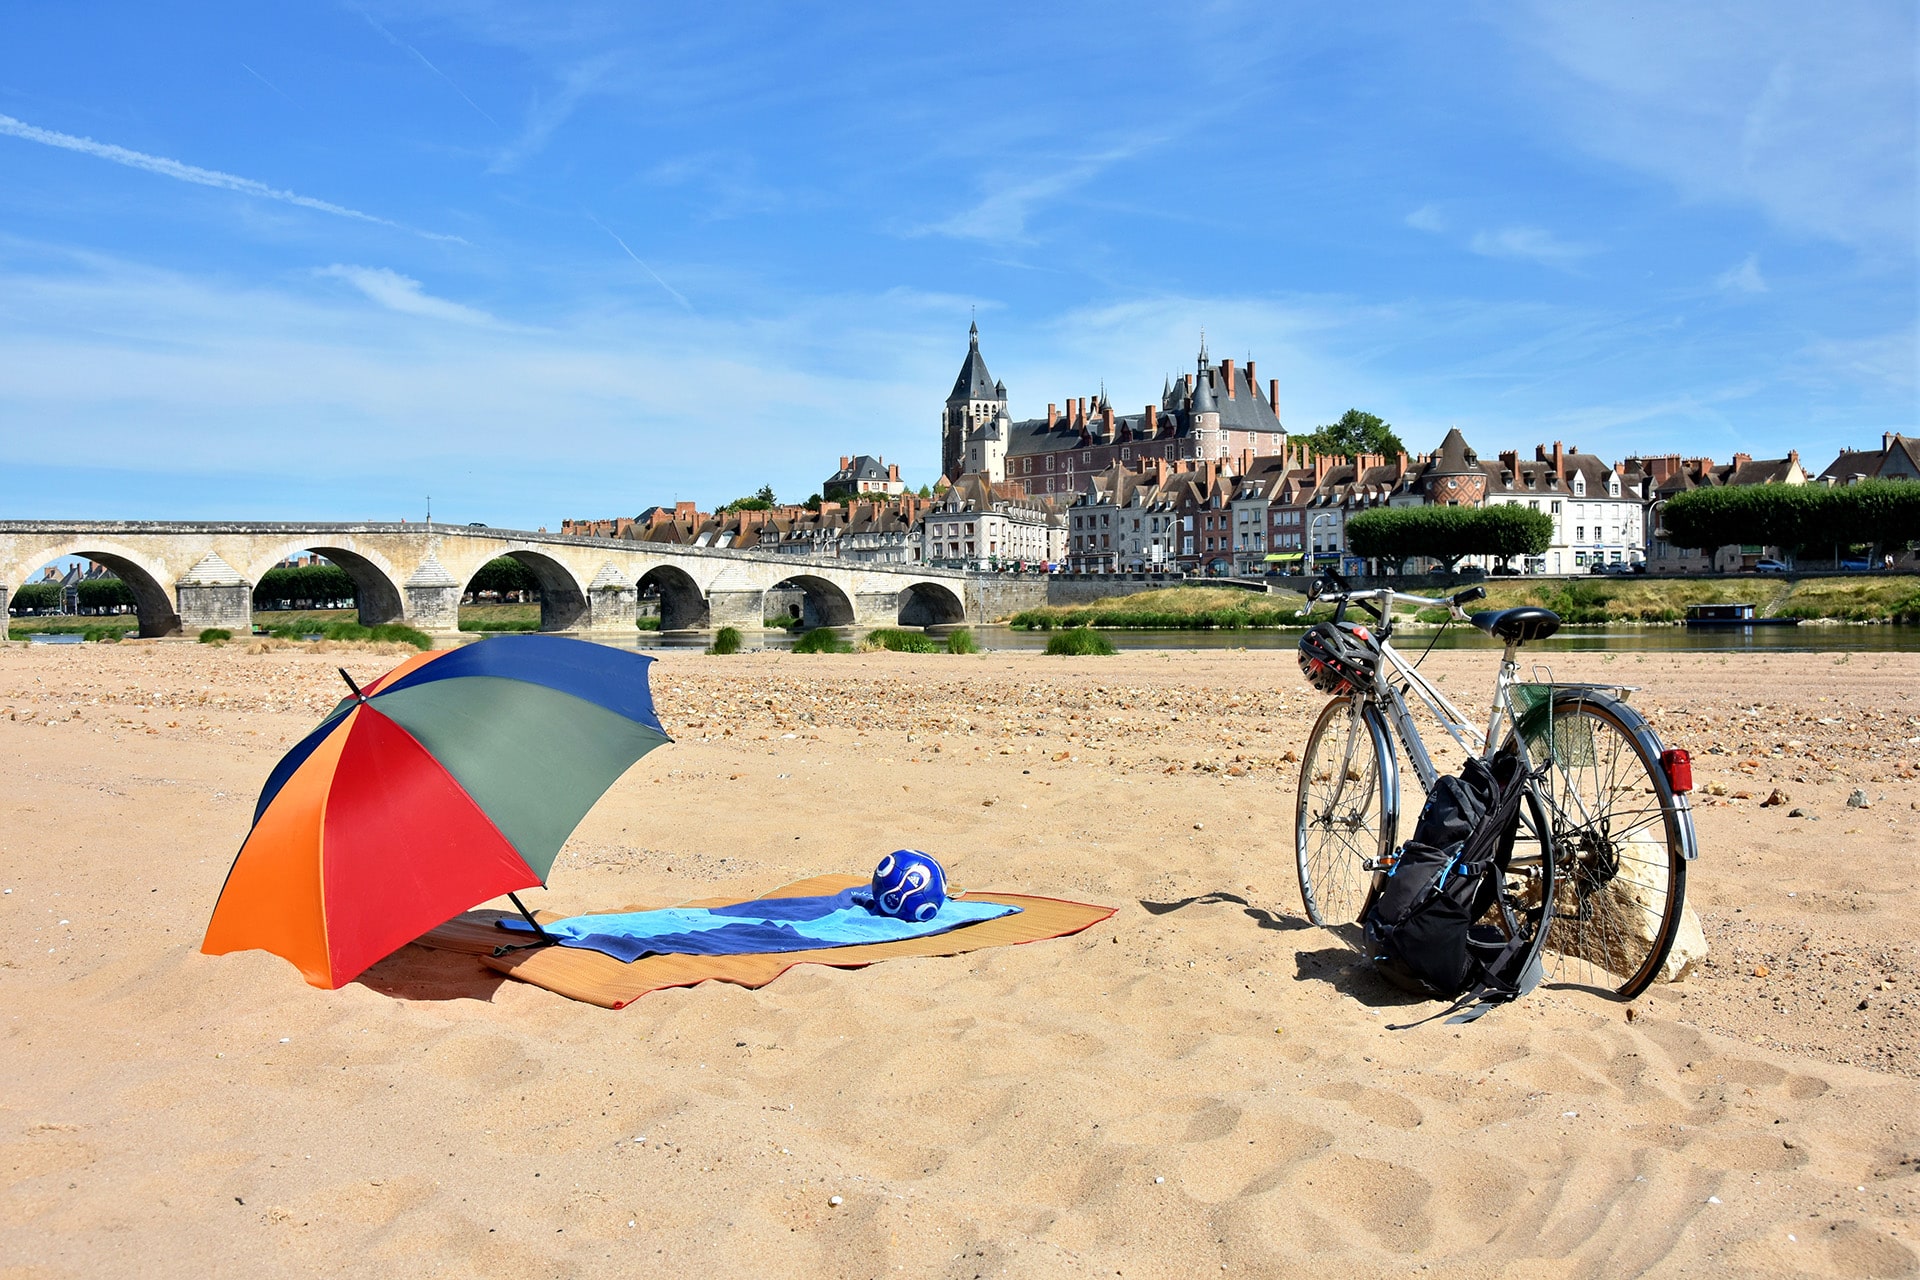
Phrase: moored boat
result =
(1732, 615)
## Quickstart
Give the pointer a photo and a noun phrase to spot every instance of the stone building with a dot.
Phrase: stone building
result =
(983, 525)
(1216, 412)
(1670, 474)
(861, 476)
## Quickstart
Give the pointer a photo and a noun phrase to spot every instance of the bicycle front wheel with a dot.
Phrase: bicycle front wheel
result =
(1347, 811)
(1620, 837)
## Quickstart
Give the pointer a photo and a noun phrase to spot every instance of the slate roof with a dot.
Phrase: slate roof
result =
(1898, 458)
(974, 382)
(863, 467)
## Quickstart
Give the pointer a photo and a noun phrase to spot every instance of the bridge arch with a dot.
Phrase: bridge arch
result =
(375, 584)
(683, 605)
(827, 605)
(931, 604)
(563, 601)
(153, 602)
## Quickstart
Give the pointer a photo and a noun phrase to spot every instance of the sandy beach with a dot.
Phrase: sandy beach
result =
(1203, 1085)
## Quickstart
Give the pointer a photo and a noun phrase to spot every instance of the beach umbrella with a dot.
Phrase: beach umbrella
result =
(452, 779)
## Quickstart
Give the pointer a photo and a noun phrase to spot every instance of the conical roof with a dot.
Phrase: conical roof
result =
(974, 382)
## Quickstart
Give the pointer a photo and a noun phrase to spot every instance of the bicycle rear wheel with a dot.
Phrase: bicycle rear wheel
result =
(1346, 813)
(1619, 839)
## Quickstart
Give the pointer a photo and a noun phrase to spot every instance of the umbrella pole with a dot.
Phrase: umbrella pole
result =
(544, 935)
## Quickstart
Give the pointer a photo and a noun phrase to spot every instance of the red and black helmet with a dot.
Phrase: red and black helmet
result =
(1338, 656)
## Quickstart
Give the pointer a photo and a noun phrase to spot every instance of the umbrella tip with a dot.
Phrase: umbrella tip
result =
(350, 684)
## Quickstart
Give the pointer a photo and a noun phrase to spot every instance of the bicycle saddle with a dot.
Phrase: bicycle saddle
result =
(1517, 626)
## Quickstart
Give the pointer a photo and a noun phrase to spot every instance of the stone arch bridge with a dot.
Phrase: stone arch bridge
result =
(187, 576)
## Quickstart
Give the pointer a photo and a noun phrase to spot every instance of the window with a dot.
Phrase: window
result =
(1580, 533)
(1580, 559)
(1554, 507)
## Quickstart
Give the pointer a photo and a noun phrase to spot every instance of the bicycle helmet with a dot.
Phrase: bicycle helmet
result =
(909, 885)
(1340, 656)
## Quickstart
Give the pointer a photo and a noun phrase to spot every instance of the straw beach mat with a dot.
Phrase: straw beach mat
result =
(614, 984)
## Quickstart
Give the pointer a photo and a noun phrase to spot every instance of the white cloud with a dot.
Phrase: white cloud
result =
(1427, 218)
(1804, 111)
(1529, 244)
(182, 172)
(547, 114)
(1742, 278)
(1001, 216)
(403, 294)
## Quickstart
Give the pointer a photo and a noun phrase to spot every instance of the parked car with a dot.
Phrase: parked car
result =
(1769, 566)
(1505, 571)
(1618, 568)
(1860, 565)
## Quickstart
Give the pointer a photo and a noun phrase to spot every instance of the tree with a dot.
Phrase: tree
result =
(1448, 534)
(312, 586)
(813, 503)
(1878, 513)
(104, 593)
(35, 597)
(761, 500)
(1356, 433)
(504, 576)
(926, 491)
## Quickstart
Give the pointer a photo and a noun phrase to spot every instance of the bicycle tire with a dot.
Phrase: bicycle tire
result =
(1346, 811)
(1620, 839)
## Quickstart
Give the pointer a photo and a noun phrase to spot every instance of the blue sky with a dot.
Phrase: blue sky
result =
(322, 260)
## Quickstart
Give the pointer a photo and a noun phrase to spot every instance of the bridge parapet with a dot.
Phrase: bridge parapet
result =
(188, 575)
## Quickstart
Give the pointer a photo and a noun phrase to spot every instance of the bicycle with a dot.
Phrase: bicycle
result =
(1604, 831)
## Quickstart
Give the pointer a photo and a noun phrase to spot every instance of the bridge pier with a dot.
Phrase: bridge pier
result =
(432, 599)
(876, 608)
(612, 602)
(213, 594)
(744, 610)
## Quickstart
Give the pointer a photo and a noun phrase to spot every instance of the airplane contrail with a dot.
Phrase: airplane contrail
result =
(182, 172)
(677, 295)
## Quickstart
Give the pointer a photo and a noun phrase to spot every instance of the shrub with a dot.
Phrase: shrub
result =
(960, 640)
(101, 635)
(901, 641)
(1077, 642)
(821, 640)
(647, 624)
(215, 635)
(725, 640)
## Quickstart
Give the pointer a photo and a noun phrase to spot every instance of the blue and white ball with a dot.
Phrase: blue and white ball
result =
(909, 885)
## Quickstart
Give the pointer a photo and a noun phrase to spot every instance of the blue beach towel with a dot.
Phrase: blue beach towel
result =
(759, 927)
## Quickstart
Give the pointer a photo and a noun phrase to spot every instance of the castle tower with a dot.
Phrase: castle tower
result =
(987, 448)
(1211, 439)
(975, 402)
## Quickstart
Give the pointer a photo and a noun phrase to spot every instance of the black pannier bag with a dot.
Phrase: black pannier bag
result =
(1424, 927)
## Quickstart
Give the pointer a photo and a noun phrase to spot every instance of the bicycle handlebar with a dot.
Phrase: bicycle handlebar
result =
(1380, 599)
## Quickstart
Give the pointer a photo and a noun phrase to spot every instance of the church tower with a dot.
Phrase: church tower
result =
(975, 402)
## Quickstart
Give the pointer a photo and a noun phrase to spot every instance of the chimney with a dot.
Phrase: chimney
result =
(1510, 460)
(1320, 468)
(1253, 378)
(1273, 393)
(1080, 411)
(1107, 417)
(1153, 420)
(1886, 440)
(845, 462)
(1189, 378)
(1226, 372)
(1741, 459)
(1793, 457)
(1559, 462)
(1053, 416)
(893, 472)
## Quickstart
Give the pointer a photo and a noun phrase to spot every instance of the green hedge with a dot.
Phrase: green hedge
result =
(1881, 513)
(821, 640)
(1448, 534)
(725, 640)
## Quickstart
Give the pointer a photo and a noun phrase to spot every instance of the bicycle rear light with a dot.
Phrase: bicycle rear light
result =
(1678, 763)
